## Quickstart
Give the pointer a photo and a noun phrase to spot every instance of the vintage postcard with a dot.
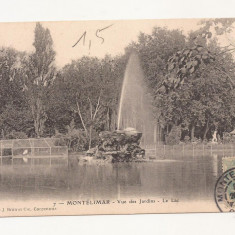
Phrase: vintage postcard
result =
(117, 117)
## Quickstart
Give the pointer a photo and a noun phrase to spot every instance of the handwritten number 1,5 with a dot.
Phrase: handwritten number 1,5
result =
(97, 34)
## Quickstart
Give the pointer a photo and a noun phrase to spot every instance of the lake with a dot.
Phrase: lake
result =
(187, 178)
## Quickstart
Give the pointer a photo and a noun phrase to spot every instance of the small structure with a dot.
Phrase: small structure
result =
(33, 149)
(119, 145)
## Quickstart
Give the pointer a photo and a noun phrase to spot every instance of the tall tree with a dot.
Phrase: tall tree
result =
(39, 74)
(14, 111)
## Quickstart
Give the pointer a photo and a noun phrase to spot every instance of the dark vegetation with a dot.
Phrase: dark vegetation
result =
(191, 78)
(120, 146)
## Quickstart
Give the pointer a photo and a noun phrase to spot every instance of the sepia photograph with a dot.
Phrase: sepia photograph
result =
(117, 117)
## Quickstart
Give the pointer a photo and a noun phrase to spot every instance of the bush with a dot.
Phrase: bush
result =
(174, 136)
(16, 135)
(205, 141)
(76, 140)
(196, 140)
(228, 138)
(186, 139)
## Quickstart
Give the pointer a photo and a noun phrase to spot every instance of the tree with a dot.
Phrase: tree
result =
(203, 103)
(188, 76)
(87, 92)
(39, 74)
(83, 93)
(14, 111)
(187, 61)
(154, 50)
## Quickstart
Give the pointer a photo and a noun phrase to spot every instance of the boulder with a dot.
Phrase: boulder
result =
(120, 145)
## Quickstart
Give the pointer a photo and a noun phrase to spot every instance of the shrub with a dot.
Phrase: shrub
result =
(16, 135)
(205, 141)
(228, 138)
(196, 140)
(76, 140)
(174, 136)
(186, 139)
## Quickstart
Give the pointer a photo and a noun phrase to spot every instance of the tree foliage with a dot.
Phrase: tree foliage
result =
(188, 76)
(87, 92)
(38, 75)
(191, 78)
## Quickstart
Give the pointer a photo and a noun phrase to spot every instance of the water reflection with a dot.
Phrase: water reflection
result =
(190, 178)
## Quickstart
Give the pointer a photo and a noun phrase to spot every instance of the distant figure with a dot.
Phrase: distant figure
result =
(214, 138)
(25, 159)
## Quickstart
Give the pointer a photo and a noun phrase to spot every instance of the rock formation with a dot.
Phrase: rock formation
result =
(120, 145)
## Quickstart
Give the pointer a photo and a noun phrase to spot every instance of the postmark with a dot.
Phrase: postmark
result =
(225, 191)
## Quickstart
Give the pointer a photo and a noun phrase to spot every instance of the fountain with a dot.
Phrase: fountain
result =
(136, 126)
(135, 107)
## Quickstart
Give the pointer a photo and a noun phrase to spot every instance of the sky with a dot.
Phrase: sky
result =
(65, 34)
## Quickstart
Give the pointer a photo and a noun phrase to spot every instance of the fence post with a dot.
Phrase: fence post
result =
(183, 149)
(193, 150)
(164, 150)
(50, 156)
(156, 149)
(68, 157)
(12, 156)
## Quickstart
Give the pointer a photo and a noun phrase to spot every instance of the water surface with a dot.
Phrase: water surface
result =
(187, 179)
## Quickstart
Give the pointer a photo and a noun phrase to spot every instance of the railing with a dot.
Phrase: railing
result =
(33, 153)
(189, 149)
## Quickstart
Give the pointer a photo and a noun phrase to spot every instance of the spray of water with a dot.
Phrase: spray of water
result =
(135, 107)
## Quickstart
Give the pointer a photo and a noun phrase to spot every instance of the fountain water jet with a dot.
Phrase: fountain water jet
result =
(135, 107)
(136, 125)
